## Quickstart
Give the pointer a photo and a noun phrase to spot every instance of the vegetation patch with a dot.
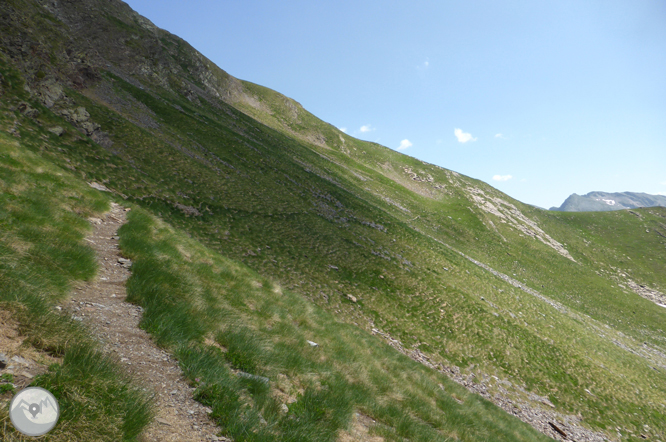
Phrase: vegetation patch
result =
(271, 365)
(43, 219)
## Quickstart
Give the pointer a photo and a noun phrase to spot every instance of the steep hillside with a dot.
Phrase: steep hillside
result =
(604, 201)
(554, 316)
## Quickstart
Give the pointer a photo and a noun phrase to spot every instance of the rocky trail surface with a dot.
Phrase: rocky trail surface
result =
(101, 305)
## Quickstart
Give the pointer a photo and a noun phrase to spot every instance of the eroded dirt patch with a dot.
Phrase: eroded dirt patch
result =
(360, 430)
(23, 362)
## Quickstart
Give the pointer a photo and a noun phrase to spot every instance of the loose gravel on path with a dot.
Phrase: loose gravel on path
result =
(101, 305)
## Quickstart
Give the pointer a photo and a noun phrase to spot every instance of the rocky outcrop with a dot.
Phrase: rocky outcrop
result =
(505, 395)
(509, 214)
(50, 93)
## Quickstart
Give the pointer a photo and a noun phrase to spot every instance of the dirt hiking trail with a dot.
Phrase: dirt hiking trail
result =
(101, 305)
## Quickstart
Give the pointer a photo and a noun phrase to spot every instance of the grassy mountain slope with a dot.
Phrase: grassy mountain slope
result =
(258, 179)
(196, 301)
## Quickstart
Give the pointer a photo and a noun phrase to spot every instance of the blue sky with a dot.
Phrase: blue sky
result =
(540, 99)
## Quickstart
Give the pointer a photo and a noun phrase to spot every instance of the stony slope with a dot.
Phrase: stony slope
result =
(563, 306)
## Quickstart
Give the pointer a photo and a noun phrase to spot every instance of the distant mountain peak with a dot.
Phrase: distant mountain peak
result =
(605, 201)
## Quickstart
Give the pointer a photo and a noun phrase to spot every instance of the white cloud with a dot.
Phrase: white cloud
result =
(499, 136)
(502, 177)
(663, 183)
(343, 129)
(404, 144)
(366, 128)
(463, 137)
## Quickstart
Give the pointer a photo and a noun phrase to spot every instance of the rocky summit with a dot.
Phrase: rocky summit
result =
(604, 201)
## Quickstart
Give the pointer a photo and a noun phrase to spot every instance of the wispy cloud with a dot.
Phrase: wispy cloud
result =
(502, 177)
(663, 183)
(343, 129)
(404, 144)
(424, 65)
(500, 136)
(366, 128)
(463, 137)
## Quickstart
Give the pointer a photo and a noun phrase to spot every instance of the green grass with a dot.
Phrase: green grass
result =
(43, 213)
(218, 316)
(348, 218)
(6, 380)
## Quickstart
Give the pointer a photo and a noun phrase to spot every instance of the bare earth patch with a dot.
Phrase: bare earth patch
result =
(360, 430)
(101, 305)
(23, 362)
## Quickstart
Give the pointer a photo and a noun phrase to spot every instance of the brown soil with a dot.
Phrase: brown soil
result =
(360, 430)
(24, 361)
(101, 305)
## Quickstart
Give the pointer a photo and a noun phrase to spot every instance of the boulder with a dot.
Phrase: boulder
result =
(50, 93)
(101, 187)
(89, 127)
(57, 131)
(27, 110)
(80, 115)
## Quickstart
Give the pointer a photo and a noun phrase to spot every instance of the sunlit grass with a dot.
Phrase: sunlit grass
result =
(263, 332)
(41, 255)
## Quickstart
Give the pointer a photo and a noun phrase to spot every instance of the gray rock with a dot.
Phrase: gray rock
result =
(80, 115)
(242, 374)
(57, 130)
(3, 361)
(312, 344)
(27, 110)
(50, 93)
(89, 128)
(352, 298)
(20, 360)
(101, 187)
(189, 210)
